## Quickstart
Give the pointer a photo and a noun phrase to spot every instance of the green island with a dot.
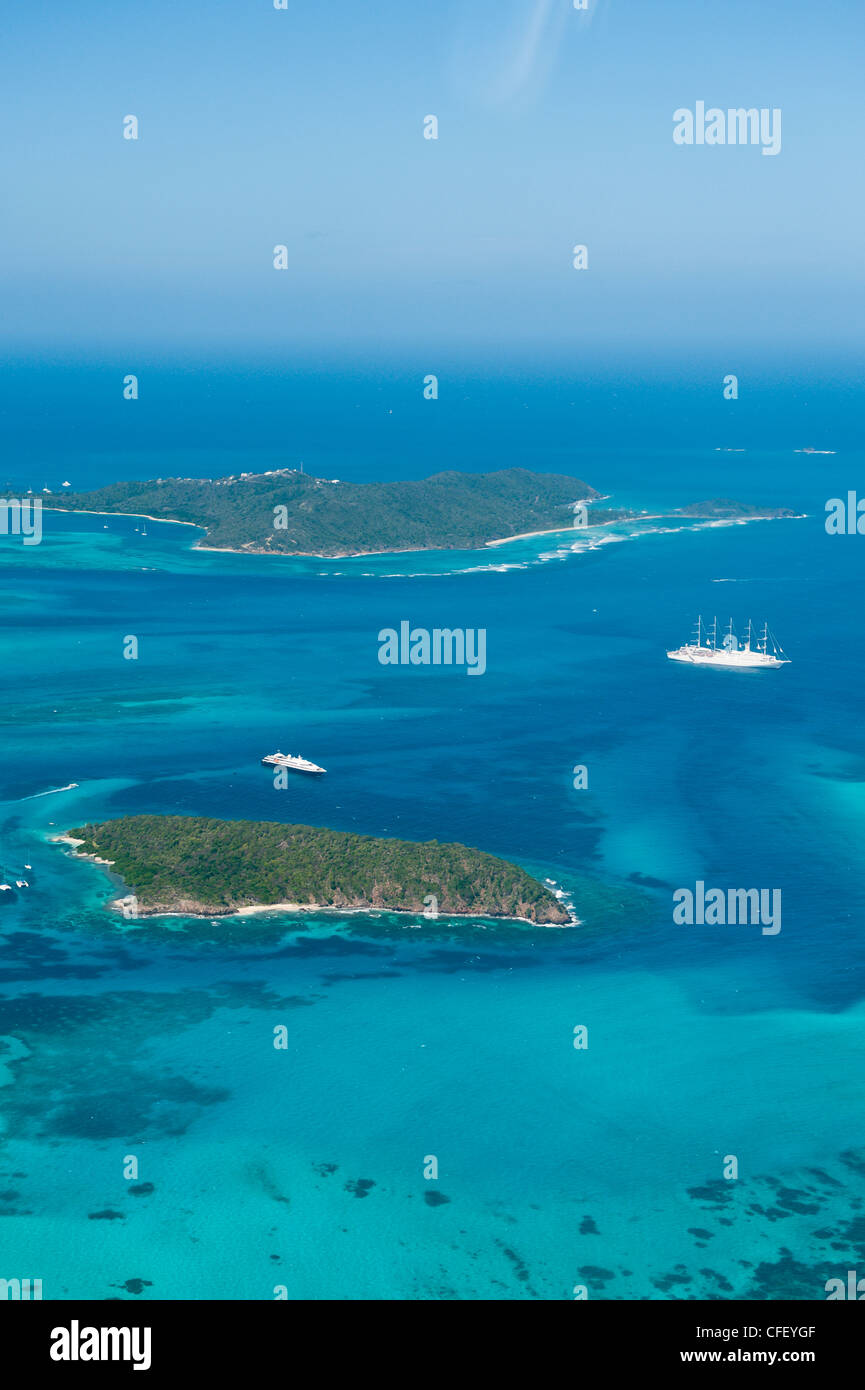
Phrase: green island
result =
(291, 513)
(284, 512)
(197, 865)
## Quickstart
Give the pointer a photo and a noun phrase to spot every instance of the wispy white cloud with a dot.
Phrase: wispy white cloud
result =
(505, 50)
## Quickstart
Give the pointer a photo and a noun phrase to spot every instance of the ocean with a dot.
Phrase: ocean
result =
(154, 1143)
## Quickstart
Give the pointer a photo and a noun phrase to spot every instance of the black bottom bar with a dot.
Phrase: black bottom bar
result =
(276, 1339)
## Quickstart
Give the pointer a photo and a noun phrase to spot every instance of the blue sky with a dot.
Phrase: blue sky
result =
(304, 127)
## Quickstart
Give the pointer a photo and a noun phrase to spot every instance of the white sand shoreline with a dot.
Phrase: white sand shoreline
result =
(90, 511)
(117, 904)
(78, 854)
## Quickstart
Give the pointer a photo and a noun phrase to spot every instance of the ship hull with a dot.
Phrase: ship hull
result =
(729, 661)
(292, 767)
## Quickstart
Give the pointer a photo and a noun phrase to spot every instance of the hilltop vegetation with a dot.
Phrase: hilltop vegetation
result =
(320, 517)
(196, 864)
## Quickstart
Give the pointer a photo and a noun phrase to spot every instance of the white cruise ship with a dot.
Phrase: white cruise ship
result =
(292, 761)
(757, 650)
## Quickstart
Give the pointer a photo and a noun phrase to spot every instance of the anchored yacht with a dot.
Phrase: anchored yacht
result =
(758, 649)
(292, 761)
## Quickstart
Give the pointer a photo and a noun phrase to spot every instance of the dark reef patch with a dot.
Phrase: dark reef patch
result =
(520, 1268)
(770, 1213)
(825, 1178)
(360, 1187)
(164, 1105)
(785, 1278)
(851, 1236)
(103, 1090)
(675, 1278)
(646, 881)
(793, 1199)
(716, 1194)
(35, 956)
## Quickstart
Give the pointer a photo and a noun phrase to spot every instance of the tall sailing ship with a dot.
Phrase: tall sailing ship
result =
(758, 649)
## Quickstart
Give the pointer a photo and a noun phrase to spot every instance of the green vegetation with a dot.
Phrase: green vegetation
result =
(450, 511)
(196, 864)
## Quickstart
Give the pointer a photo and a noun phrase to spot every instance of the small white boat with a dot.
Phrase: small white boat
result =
(293, 762)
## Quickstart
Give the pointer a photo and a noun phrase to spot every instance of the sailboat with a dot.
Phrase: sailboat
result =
(757, 650)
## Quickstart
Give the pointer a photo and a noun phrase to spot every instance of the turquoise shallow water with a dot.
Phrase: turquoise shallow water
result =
(303, 1168)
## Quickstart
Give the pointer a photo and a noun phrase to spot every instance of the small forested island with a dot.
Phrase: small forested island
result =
(196, 865)
(292, 513)
(724, 508)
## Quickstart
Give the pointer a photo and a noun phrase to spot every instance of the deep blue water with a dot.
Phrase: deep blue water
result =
(304, 1168)
(617, 421)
